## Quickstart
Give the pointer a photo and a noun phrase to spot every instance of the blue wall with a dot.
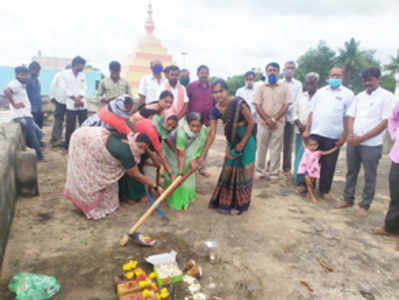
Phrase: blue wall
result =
(46, 76)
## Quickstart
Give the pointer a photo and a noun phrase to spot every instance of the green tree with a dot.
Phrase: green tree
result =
(354, 61)
(319, 60)
(393, 66)
(234, 83)
(388, 82)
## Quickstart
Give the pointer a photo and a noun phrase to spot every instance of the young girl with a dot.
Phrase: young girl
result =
(309, 165)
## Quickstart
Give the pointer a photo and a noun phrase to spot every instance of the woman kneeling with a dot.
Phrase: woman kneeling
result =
(97, 160)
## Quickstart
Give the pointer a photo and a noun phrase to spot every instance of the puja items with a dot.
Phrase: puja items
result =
(166, 268)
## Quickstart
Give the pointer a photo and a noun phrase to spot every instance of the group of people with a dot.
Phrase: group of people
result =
(173, 125)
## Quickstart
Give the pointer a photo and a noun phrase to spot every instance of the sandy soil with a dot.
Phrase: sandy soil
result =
(263, 254)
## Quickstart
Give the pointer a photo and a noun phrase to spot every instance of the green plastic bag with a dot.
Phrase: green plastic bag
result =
(33, 286)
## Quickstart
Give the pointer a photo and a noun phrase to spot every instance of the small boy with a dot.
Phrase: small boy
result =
(21, 110)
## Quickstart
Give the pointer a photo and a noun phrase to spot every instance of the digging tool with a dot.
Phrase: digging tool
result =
(178, 181)
(159, 211)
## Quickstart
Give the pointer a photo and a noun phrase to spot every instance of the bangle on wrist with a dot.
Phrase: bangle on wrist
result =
(180, 174)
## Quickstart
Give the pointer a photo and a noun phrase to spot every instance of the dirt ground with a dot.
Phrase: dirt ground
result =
(262, 254)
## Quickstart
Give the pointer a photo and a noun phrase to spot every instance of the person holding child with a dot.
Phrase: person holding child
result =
(310, 165)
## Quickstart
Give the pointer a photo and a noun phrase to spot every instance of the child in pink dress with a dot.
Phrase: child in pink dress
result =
(310, 166)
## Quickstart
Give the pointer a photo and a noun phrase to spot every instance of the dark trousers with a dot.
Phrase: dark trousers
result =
(38, 118)
(327, 163)
(369, 157)
(71, 116)
(33, 134)
(59, 116)
(392, 217)
(287, 146)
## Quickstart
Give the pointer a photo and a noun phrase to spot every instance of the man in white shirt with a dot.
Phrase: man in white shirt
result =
(180, 99)
(328, 121)
(302, 110)
(58, 99)
(247, 92)
(72, 88)
(367, 120)
(21, 110)
(152, 85)
(296, 90)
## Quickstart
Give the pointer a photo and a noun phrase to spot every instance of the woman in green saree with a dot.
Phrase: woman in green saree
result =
(189, 140)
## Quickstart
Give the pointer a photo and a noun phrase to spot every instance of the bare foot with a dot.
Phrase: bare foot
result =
(204, 173)
(312, 198)
(343, 204)
(326, 196)
(381, 231)
(43, 160)
(287, 173)
(362, 213)
(234, 212)
(274, 181)
(301, 190)
(131, 202)
(122, 207)
(258, 177)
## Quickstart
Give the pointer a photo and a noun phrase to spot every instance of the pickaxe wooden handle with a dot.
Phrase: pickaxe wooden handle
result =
(178, 181)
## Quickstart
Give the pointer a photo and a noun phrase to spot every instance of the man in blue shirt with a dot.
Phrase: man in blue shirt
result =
(33, 90)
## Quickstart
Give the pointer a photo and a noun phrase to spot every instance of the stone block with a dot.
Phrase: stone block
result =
(11, 142)
(26, 173)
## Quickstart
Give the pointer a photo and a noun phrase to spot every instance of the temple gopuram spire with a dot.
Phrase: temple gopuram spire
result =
(149, 24)
(149, 47)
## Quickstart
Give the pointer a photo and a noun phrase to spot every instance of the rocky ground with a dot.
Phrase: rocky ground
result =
(263, 254)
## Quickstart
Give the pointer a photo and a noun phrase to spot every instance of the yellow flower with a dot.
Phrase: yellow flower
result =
(153, 275)
(143, 283)
(164, 293)
(146, 293)
(138, 271)
(129, 275)
(130, 265)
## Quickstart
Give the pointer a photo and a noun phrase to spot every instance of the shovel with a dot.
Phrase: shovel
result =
(178, 181)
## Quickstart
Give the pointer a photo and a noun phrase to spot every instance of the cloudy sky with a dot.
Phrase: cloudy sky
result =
(229, 36)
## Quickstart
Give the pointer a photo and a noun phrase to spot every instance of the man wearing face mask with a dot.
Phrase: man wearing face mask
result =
(271, 100)
(184, 77)
(152, 85)
(296, 90)
(21, 110)
(180, 102)
(327, 120)
(72, 87)
(247, 92)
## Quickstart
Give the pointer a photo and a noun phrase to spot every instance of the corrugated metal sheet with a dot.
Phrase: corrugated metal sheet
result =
(46, 76)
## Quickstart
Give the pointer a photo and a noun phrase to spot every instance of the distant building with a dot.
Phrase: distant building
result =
(48, 62)
(50, 66)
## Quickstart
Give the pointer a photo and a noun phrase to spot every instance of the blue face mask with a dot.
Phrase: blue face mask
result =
(272, 79)
(334, 83)
(157, 69)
